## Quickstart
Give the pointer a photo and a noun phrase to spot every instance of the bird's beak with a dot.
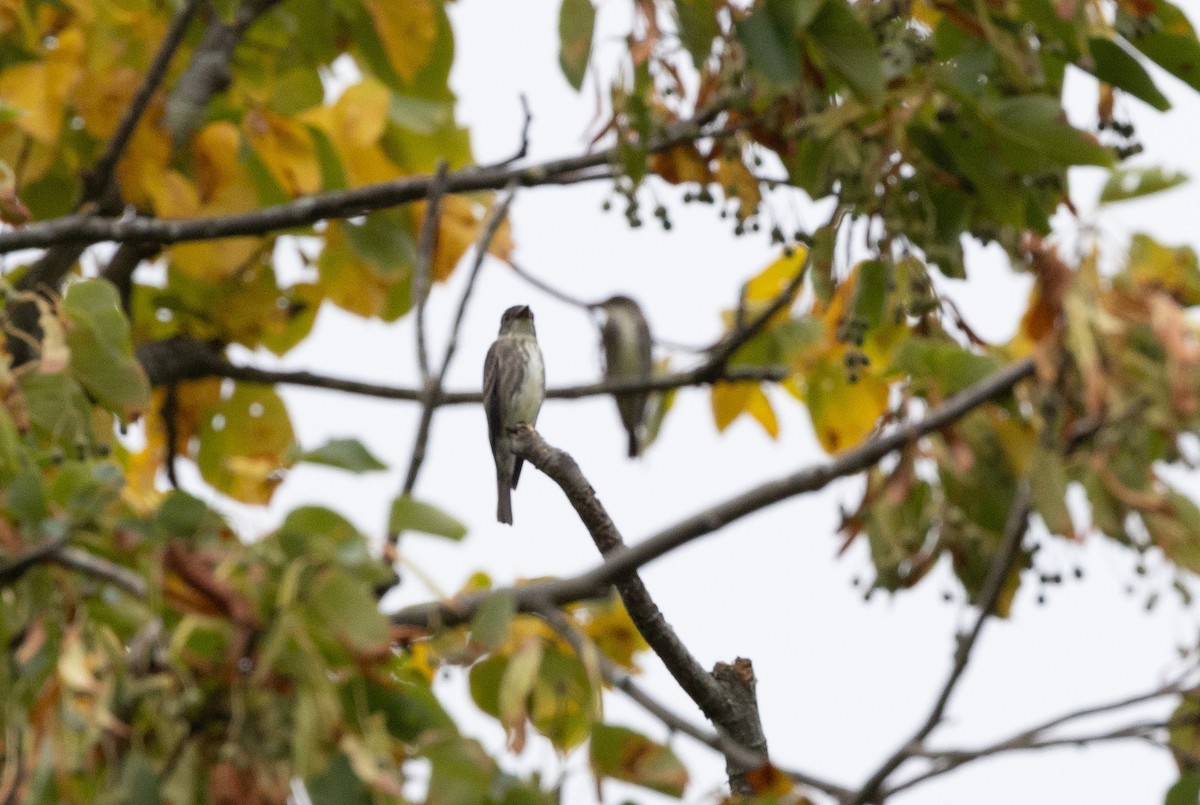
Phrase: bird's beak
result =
(525, 312)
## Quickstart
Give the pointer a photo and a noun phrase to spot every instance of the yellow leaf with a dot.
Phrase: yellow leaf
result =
(729, 400)
(738, 182)
(355, 123)
(224, 187)
(925, 13)
(355, 284)
(142, 168)
(40, 89)
(457, 229)
(407, 30)
(681, 164)
(843, 412)
(103, 97)
(287, 149)
(759, 407)
(611, 629)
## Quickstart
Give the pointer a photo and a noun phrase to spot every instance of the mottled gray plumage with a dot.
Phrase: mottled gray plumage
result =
(514, 384)
(628, 355)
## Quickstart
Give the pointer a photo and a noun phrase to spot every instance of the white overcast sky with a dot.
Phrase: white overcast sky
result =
(841, 682)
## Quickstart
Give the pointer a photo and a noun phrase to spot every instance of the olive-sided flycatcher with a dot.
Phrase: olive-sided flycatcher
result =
(514, 384)
(627, 356)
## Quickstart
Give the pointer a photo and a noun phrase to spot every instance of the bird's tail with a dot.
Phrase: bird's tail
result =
(635, 448)
(503, 501)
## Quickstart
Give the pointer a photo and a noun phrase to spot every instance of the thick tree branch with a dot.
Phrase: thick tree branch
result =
(124, 262)
(84, 229)
(596, 581)
(57, 552)
(19, 565)
(732, 708)
(209, 71)
(998, 573)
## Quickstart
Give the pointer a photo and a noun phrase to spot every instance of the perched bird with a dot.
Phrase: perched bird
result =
(514, 384)
(625, 337)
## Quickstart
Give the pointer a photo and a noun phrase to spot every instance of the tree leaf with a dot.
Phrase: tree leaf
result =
(576, 24)
(697, 28)
(1113, 65)
(843, 412)
(102, 348)
(623, 754)
(245, 444)
(410, 514)
(345, 606)
(849, 47)
(1127, 183)
(345, 454)
(489, 626)
(768, 36)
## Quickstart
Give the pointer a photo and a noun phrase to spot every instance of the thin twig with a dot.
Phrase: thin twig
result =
(169, 412)
(523, 149)
(947, 760)
(97, 180)
(422, 278)
(549, 289)
(185, 359)
(618, 564)
(998, 573)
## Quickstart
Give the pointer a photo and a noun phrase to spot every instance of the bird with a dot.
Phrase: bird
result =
(514, 385)
(625, 337)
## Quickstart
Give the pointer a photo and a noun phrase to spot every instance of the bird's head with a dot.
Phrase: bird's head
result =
(517, 319)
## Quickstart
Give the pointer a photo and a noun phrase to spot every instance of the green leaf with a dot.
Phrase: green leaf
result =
(769, 38)
(1127, 183)
(484, 682)
(1112, 64)
(462, 773)
(848, 46)
(489, 627)
(563, 705)
(333, 176)
(345, 454)
(576, 24)
(245, 443)
(697, 28)
(102, 348)
(1185, 791)
(1048, 483)
(181, 515)
(1037, 124)
(1178, 54)
(409, 514)
(409, 706)
(346, 608)
(338, 785)
(941, 364)
(622, 754)
(870, 292)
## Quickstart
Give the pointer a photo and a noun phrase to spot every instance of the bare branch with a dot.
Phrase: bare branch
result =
(596, 581)
(624, 682)
(124, 262)
(427, 245)
(84, 229)
(549, 289)
(947, 760)
(736, 715)
(1001, 566)
(188, 359)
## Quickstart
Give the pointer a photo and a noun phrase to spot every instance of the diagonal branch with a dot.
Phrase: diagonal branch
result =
(726, 711)
(993, 586)
(621, 562)
(621, 680)
(422, 278)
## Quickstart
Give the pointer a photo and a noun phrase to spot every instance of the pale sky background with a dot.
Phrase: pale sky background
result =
(841, 682)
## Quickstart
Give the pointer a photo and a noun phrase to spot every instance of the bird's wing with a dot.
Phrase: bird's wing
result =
(491, 393)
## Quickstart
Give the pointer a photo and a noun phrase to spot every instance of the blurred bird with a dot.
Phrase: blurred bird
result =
(625, 337)
(514, 385)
